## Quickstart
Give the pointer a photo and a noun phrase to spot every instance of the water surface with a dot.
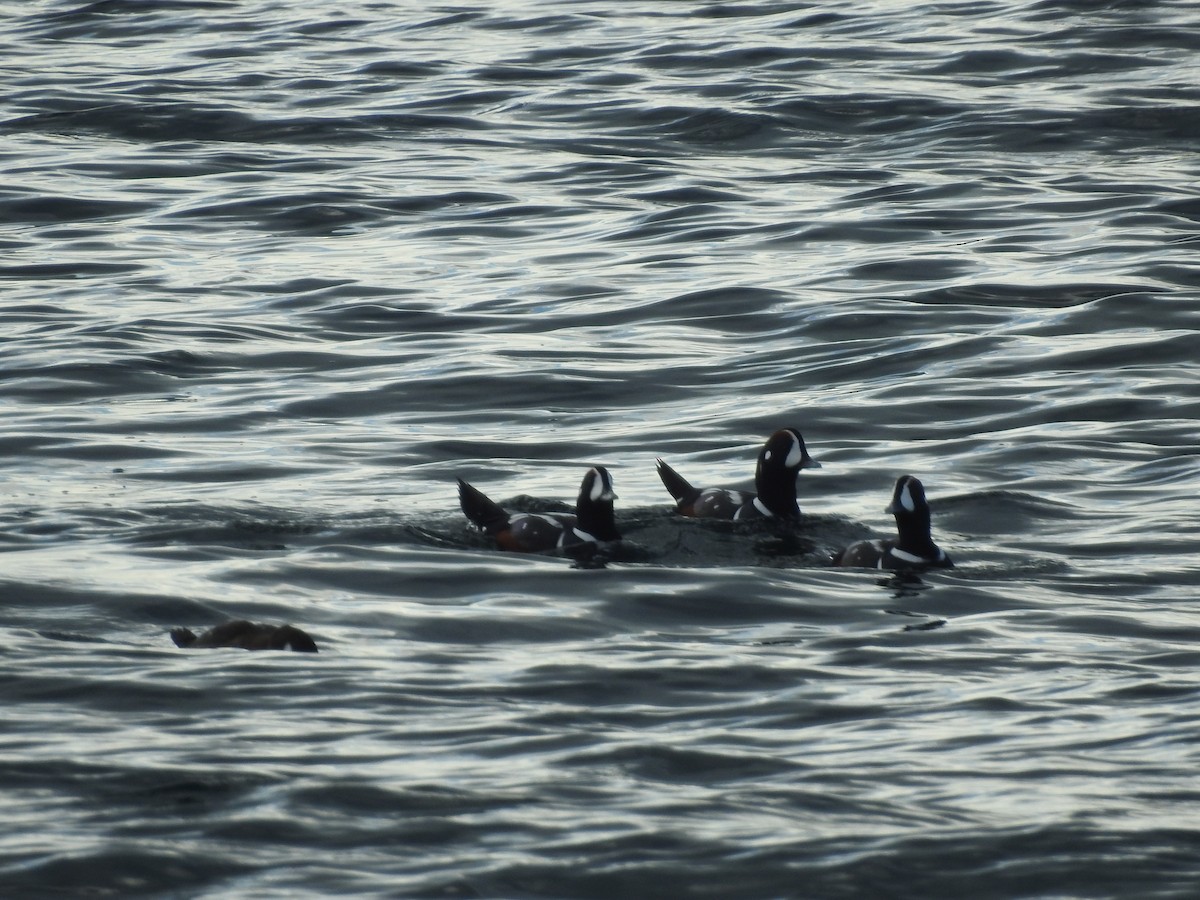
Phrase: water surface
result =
(275, 275)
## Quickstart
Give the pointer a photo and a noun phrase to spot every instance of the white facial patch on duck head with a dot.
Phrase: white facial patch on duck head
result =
(796, 454)
(906, 499)
(601, 487)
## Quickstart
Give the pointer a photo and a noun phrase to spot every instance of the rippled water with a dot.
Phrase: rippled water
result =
(274, 275)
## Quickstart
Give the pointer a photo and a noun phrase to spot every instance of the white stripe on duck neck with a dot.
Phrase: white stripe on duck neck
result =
(907, 557)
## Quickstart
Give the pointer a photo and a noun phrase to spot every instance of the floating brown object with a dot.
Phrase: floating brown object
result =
(246, 636)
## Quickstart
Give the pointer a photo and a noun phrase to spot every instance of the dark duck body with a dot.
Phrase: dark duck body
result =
(592, 523)
(246, 636)
(913, 547)
(779, 462)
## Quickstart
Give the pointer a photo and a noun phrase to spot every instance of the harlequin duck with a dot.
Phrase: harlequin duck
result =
(779, 462)
(246, 636)
(592, 523)
(914, 549)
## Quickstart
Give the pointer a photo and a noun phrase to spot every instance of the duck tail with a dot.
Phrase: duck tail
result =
(481, 509)
(677, 486)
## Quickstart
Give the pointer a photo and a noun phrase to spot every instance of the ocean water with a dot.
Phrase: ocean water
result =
(275, 274)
